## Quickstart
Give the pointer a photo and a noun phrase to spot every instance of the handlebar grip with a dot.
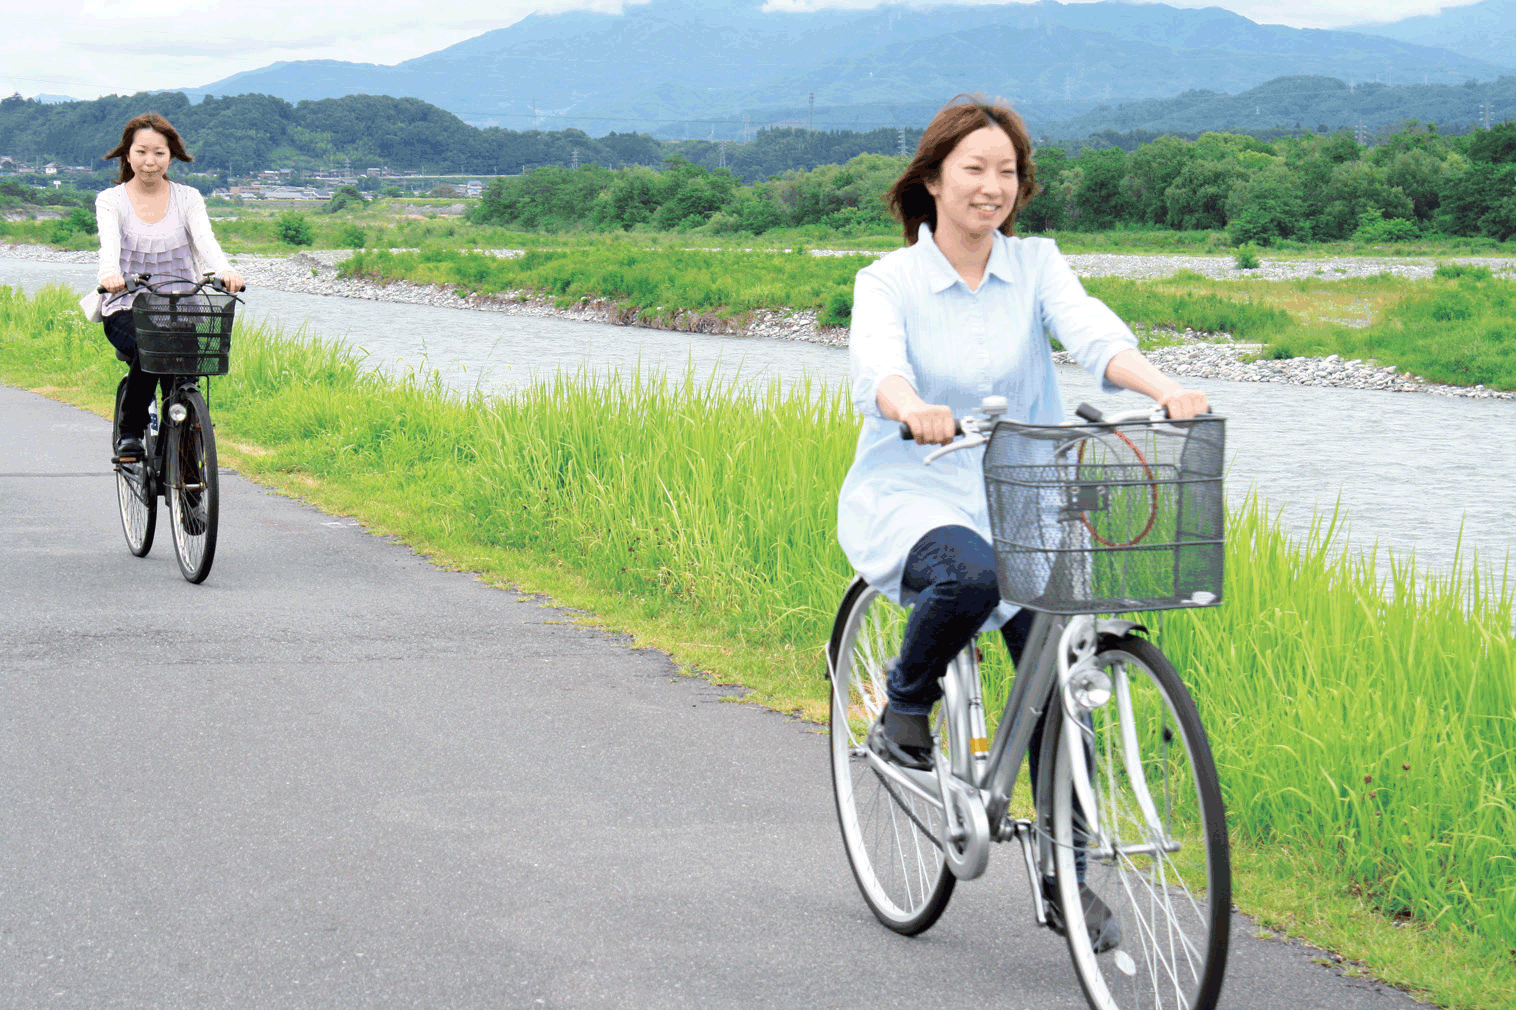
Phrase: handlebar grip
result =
(132, 284)
(906, 436)
(1089, 413)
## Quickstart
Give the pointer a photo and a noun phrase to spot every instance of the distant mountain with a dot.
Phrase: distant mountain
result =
(1311, 102)
(680, 68)
(1481, 31)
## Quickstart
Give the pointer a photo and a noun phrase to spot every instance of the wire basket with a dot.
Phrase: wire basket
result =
(1105, 518)
(184, 333)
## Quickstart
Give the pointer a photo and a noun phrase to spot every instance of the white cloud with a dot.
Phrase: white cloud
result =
(86, 48)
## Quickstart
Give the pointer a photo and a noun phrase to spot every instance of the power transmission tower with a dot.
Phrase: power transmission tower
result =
(1361, 135)
(722, 145)
(745, 120)
(576, 159)
(812, 119)
(902, 141)
(1485, 109)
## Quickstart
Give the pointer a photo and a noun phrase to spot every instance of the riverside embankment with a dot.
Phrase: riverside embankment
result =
(699, 517)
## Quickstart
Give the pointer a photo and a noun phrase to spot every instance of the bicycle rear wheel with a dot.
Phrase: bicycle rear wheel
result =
(192, 487)
(135, 495)
(891, 837)
(1158, 854)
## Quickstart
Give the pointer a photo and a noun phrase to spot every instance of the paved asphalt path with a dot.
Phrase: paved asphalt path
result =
(337, 776)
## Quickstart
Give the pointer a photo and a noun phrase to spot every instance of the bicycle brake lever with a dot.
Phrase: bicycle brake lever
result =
(969, 441)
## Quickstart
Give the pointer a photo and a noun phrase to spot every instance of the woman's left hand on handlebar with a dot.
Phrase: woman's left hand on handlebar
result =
(1185, 403)
(232, 280)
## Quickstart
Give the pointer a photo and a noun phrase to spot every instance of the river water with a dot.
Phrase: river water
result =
(1414, 472)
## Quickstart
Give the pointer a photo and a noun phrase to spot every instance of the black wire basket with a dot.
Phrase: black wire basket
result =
(187, 333)
(1106, 518)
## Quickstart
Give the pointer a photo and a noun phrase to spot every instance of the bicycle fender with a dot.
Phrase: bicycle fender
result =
(853, 588)
(1116, 627)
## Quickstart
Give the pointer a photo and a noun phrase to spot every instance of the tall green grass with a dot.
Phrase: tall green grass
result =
(1363, 713)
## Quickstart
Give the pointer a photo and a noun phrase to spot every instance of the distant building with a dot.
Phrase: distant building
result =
(50, 169)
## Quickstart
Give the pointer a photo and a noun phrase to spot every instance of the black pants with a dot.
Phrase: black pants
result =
(140, 386)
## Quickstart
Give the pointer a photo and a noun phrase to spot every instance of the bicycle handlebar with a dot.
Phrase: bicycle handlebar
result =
(136, 281)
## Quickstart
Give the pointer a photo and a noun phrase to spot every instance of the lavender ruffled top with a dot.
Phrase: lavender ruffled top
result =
(180, 245)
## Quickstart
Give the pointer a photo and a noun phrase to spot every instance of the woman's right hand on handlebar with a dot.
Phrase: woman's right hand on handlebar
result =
(115, 283)
(931, 424)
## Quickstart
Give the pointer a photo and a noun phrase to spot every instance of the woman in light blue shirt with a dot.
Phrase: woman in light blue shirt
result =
(962, 312)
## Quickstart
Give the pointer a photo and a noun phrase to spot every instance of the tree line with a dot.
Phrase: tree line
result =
(251, 133)
(1321, 187)
(236, 136)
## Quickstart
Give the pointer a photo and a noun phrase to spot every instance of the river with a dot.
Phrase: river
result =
(1396, 460)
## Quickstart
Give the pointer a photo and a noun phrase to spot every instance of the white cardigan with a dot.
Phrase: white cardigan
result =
(111, 205)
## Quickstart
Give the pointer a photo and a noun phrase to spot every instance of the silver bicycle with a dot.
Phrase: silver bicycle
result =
(1094, 517)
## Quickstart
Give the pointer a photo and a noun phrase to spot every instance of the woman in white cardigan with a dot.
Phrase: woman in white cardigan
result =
(149, 225)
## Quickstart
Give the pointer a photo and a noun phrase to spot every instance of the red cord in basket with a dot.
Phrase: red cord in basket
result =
(1152, 496)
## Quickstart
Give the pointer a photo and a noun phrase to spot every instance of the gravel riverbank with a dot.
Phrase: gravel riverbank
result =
(1197, 355)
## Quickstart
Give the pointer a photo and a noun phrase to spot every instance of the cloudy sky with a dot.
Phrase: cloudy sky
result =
(87, 48)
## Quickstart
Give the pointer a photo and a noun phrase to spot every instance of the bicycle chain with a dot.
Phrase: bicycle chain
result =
(889, 787)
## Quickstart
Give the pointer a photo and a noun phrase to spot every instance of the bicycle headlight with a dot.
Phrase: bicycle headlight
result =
(177, 413)
(1089, 689)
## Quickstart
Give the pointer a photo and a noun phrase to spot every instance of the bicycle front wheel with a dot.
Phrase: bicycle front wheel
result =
(891, 837)
(1157, 853)
(192, 488)
(135, 495)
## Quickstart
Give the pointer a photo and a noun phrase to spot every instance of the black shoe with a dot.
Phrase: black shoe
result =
(129, 449)
(1099, 920)
(905, 740)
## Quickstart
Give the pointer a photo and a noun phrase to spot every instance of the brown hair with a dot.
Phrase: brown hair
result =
(908, 198)
(147, 121)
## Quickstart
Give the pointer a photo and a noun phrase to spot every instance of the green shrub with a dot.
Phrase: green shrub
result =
(292, 228)
(1453, 271)
(79, 221)
(351, 237)
(1373, 228)
(1247, 258)
(838, 310)
(344, 198)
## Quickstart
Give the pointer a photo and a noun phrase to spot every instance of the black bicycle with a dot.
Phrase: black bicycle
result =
(184, 331)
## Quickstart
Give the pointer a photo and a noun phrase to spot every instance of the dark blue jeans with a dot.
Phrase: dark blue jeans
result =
(952, 571)
(140, 385)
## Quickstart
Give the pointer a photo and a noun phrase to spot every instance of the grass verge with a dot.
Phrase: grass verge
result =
(699, 517)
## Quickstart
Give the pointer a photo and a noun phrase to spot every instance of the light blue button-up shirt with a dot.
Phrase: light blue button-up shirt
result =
(915, 317)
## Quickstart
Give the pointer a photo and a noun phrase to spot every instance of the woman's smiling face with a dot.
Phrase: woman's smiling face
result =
(976, 189)
(149, 155)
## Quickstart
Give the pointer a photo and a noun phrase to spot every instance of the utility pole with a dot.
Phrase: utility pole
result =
(813, 112)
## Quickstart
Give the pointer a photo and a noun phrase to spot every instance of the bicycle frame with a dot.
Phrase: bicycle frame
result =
(976, 782)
